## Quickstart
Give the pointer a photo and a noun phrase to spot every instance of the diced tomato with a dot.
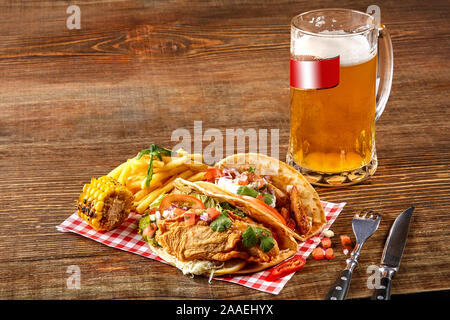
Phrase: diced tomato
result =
(213, 173)
(346, 242)
(292, 265)
(243, 180)
(149, 211)
(329, 254)
(149, 230)
(318, 253)
(326, 243)
(260, 197)
(180, 199)
(265, 207)
(179, 211)
(213, 213)
(261, 184)
(189, 218)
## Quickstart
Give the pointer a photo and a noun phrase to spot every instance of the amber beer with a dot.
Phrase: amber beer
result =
(341, 68)
(332, 129)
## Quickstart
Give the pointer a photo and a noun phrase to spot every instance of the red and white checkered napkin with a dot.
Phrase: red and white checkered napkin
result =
(126, 238)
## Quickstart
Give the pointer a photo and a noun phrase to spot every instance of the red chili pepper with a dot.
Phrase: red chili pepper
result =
(290, 266)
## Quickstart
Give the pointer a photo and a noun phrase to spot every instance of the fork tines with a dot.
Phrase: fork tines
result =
(367, 214)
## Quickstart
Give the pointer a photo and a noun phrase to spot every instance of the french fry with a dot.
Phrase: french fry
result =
(197, 166)
(134, 182)
(138, 165)
(160, 176)
(166, 159)
(115, 173)
(194, 156)
(146, 159)
(158, 164)
(197, 157)
(181, 152)
(200, 176)
(143, 205)
(125, 172)
(138, 196)
(175, 162)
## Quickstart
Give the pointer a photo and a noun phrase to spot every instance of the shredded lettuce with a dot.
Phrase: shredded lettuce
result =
(157, 201)
(207, 201)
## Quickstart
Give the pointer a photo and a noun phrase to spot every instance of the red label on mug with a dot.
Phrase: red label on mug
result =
(315, 74)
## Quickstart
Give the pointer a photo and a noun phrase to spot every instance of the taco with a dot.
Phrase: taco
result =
(271, 187)
(204, 233)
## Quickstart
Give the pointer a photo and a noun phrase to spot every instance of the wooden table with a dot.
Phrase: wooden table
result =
(76, 103)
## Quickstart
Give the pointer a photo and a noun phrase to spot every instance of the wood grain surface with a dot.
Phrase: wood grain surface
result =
(76, 103)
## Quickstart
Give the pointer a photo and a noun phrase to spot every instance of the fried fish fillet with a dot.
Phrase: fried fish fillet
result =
(200, 242)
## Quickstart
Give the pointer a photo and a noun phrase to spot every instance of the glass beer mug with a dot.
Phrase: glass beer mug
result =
(341, 77)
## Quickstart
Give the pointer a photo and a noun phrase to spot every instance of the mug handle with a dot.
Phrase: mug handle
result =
(385, 70)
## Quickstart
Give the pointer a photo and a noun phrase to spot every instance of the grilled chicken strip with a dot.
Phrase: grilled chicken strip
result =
(303, 225)
(282, 198)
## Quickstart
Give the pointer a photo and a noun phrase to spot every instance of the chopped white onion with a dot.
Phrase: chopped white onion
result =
(227, 184)
(166, 213)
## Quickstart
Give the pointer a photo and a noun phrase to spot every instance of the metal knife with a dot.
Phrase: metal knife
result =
(392, 254)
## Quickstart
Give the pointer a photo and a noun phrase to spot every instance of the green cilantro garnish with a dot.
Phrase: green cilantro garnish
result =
(268, 198)
(246, 191)
(153, 151)
(251, 170)
(230, 207)
(221, 223)
(266, 243)
(251, 236)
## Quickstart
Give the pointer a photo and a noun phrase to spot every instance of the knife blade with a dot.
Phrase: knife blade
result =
(392, 253)
(396, 241)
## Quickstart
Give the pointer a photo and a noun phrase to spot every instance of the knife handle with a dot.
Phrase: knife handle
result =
(383, 292)
(340, 288)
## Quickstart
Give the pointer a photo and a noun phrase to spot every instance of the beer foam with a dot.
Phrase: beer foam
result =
(352, 50)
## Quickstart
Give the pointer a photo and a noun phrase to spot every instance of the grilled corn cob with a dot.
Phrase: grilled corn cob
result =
(104, 203)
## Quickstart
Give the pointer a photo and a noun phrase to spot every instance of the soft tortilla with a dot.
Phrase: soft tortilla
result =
(286, 243)
(282, 175)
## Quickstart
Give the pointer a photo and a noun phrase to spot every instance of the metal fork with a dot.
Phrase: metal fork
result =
(364, 225)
